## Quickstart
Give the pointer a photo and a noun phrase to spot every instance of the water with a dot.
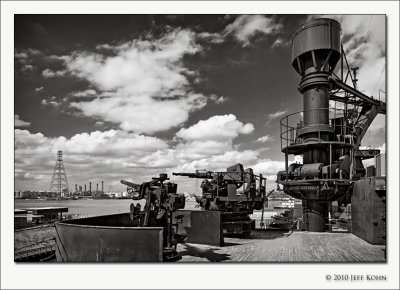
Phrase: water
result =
(87, 208)
(97, 207)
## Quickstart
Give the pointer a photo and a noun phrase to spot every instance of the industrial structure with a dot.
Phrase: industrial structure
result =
(329, 130)
(59, 180)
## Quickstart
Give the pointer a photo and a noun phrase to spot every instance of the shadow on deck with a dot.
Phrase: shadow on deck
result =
(207, 253)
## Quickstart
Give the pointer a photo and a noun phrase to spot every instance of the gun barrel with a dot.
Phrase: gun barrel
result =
(194, 175)
(127, 183)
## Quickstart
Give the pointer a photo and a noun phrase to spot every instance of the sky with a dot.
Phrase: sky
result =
(132, 96)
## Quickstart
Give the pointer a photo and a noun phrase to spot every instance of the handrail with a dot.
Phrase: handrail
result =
(289, 130)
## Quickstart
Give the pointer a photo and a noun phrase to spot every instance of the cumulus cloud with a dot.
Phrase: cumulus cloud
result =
(115, 154)
(216, 128)
(269, 169)
(99, 123)
(50, 103)
(38, 89)
(48, 73)
(107, 155)
(245, 27)
(85, 93)
(20, 55)
(211, 37)
(210, 138)
(280, 42)
(218, 99)
(24, 59)
(266, 138)
(20, 123)
(275, 115)
(24, 54)
(146, 81)
(113, 142)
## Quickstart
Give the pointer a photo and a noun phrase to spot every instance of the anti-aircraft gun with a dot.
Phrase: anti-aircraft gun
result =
(235, 193)
(161, 201)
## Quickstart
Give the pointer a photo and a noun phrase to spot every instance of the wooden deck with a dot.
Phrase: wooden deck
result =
(297, 247)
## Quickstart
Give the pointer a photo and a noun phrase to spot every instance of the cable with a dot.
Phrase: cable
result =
(373, 91)
(365, 40)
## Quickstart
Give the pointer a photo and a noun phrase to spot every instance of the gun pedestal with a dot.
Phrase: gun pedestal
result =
(235, 193)
(161, 201)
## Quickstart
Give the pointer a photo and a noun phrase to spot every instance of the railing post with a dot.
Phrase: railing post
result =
(286, 164)
(330, 160)
(287, 126)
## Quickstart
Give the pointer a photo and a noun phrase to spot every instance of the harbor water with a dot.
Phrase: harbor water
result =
(95, 207)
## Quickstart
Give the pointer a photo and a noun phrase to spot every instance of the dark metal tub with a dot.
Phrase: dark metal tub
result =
(109, 238)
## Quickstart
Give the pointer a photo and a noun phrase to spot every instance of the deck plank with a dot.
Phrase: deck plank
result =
(297, 247)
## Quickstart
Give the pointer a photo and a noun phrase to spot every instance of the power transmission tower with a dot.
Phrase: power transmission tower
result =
(59, 180)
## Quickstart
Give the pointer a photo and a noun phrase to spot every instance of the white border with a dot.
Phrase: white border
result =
(180, 276)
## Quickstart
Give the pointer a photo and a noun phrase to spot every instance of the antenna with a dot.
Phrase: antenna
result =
(59, 179)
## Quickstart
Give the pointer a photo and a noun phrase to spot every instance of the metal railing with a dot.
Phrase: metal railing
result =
(32, 250)
(292, 123)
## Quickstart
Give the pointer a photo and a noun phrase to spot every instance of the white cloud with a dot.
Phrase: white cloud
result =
(146, 82)
(216, 128)
(218, 99)
(48, 73)
(50, 103)
(115, 154)
(108, 155)
(378, 123)
(266, 138)
(269, 167)
(20, 55)
(20, 123)
(27, 67)
(208, 139)
(85, 93)
(280, 42)
(211, 37)
(277, 114)
(246, 26)
(38, 89)
(24, 54)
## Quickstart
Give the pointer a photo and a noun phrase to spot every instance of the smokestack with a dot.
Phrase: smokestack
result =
(102, 186)
(85, 187)
(97, 187)
(90, 187)
(76, 187)
(316, 49)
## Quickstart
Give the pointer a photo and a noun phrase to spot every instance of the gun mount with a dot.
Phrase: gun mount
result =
(235, 193)
(161, 201)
